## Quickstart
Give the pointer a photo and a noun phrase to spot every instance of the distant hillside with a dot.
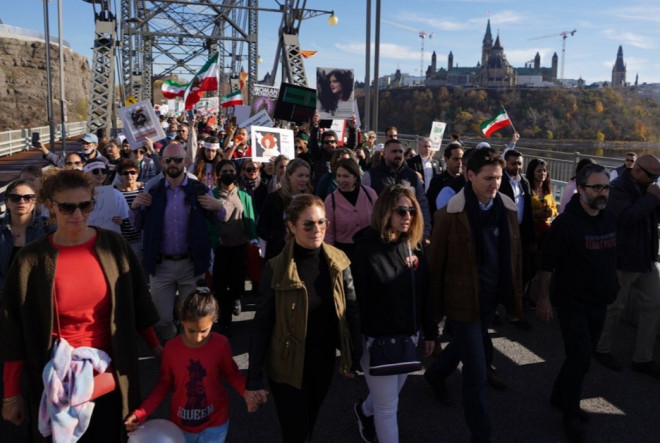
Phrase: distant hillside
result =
(23, 89)
(550, 114)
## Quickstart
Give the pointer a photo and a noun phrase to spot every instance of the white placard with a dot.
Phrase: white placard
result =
(261, 118)
(334, 93)
(437, 132)
(109, 203)
(271, 142)
(339, 126)
(140, 122)
(242, 113)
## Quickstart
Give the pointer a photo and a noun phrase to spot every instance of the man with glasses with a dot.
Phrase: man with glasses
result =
(177, 247)
(392, 133)
(148, 161)
(580, 249)
(322, 154)
(88, 152)
(628, 163)
(635, 200)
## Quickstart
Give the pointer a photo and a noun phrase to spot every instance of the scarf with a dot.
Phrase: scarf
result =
(248, 185)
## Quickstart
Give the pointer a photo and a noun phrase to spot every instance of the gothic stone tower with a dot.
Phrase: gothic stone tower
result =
(619, 71)
(486, 46)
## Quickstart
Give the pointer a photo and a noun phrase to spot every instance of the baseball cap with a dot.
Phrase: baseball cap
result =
(90, 138)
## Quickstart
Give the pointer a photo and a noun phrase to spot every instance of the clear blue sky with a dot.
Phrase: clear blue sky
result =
(458, 26)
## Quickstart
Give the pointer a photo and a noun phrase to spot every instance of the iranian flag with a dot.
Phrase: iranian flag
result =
(205, 80)
(173, 89)
(501, 120)
(233, 99)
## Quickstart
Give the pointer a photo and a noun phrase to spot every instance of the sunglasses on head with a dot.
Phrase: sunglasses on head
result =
(99, 171)
(402, 211)
(129, 173)
(176, 160)
(16, 198)
(309, 224)
(69, 208)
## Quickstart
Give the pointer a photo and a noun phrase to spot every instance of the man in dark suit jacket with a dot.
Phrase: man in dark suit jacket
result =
(424, 163)
(516, 187)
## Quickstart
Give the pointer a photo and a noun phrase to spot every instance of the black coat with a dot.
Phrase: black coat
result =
(527, 234)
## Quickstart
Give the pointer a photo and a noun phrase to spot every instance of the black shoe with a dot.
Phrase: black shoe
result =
(366, 425)
(439, 389)
(237, 308)
(494, 381)
(647, 367)
(574, 430)
(606, 359)
(582, 414)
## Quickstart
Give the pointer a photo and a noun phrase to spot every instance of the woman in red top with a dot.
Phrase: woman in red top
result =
(82, 284)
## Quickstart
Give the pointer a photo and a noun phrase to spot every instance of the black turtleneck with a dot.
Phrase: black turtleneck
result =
(351, 196)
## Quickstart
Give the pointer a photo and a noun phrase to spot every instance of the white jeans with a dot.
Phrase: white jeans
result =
(383, 400)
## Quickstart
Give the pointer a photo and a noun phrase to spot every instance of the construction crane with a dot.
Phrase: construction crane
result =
(564, 35)
(422, 35)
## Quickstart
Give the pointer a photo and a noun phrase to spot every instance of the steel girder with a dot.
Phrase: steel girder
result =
(103, 72)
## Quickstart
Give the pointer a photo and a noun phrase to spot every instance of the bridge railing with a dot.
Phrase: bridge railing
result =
(19, 140)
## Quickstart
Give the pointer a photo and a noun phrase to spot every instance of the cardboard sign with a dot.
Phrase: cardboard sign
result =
(140, 122)
(271, 142)
(334, 93)
(437, 132)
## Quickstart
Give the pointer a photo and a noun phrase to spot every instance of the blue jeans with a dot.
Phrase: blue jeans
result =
(217, 434)
(470, 345)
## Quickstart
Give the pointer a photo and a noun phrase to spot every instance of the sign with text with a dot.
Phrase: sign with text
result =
(295, 103)
(261, 118)
(264, 97)
(437, 132)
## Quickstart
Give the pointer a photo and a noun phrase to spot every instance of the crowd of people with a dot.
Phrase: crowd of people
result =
(356, 246)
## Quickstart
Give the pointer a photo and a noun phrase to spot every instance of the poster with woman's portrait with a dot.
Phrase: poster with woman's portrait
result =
(271, 142)
(334, 93)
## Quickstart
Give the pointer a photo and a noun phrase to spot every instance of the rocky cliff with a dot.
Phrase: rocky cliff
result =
(23, 86)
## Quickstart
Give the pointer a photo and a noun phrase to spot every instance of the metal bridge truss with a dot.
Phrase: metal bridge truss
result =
(103, 69)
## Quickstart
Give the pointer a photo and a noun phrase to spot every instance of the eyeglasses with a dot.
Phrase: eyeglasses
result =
(129, 173)
(250, 170)
(630, 160)
(16, 198)
(598, 188)
(69, 208)
(309, 224)
(73, 163)
(401, 211)
(176, 160)
(391, 135)
(98, 171)
(653, 177)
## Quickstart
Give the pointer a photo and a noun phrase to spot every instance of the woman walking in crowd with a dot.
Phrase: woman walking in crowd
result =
(307, 309)
(349, 207)
(302, 151)
(206, 162)
(391, 283)
(328, 182)
(279, 169)
(544, 208)
(271, 226)
(196, 361)
(130, 187)
(251, 183)
(229, 240)
(45, 298)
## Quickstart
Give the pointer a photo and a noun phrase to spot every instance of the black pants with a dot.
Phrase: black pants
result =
(581, 326)
(228, 279)
(297, 409)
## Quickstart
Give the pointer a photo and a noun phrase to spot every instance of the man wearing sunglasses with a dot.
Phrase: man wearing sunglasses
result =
(628, 163)
(635, 200)
(177, 247)
(321, 146)
(88, 152)
(475, 264)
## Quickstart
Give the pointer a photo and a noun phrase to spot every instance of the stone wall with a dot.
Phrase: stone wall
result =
(23, 85)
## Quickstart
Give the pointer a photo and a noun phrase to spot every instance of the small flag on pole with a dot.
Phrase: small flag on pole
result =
(205, 80)
(233, 99)
(501, 120)
(173, 89)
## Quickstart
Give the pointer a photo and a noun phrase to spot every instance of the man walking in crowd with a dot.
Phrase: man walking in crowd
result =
(635, 200)
(177, 248)
(392, 169)
(453, 168)
(424, 163)
(628, 163)
(475, 264)
(581, 250)
(89, 152)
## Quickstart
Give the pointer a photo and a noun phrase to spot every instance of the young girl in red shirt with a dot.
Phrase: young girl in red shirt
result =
(192, 367)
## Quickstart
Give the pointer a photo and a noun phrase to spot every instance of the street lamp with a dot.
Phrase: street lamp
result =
(333, 19)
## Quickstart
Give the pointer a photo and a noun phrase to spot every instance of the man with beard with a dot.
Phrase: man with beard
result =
(177, 247)
(454, 160)
(581, 250)
(88, 152)
(392, 169)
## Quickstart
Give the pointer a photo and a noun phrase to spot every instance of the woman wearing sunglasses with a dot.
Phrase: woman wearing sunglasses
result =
(307, 310)
(86, 286)
(129, 186)
(250, 182)
(391, 282)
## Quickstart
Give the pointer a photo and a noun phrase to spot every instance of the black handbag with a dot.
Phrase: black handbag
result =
(396, 354)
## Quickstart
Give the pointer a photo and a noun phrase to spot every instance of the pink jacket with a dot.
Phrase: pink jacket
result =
(346, 219)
